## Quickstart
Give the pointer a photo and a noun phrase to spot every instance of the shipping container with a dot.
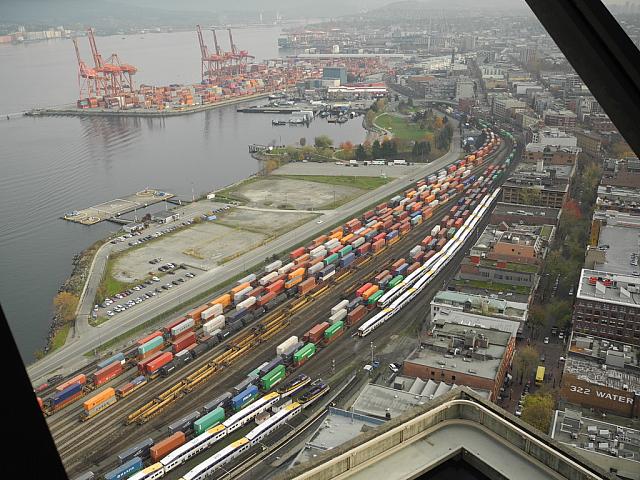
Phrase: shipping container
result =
(276, 287)
(237, 289)
(107, 373)
(293, 340)
(144, 340)
(182, 327)
(166, 446)
(126, 470)
(214, 324)
(339, 306)
(297, 253)
(315, 334)
(81, 379)
(99, 400)
(267, 278)
(273, 377)
(154, 365)
(222, 401)
(356, 315)
(211, 312)
(183, 341)
(374, 298)
(244, 398)
(302, 355)
(370, 291)
(337, 316)
(119, 357)
(209, 420)
(224, 300)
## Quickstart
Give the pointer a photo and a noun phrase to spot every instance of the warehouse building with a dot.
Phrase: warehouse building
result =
(165, 217)
(524, 214)
(540, 184)
(602, 374)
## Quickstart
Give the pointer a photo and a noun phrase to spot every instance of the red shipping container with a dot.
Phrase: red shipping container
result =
(381, 275)
(398, 263)
(144, 340)
(384, 212)
(381, 206)
(450, 223)
(256, 292)
(320, 240)
(363, 249)
(380, 236)
(442, 232)
(307, 285)
(166, 446)
(368, 215)
(167, 328)
(458, 223)
(297, 253)
(454, 209)
(107, 373)
(363, 289)
(337, 230)
(81, 379)
(403, 215)
(143, 363)
(419, 257)
(335, 250)
(183, 341)
(404, 228)
(355, 315)
(413, 267)
(276, 287)
(155, 364)
(354, 239)
(387, 224)
(315, 334)
(426, 240)
(444, 220)
(429, 254)
(441, 243)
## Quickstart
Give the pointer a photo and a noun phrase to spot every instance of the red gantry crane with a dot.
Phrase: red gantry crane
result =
(239, 57)
(113, 78)
(86, 76)
(211, 63)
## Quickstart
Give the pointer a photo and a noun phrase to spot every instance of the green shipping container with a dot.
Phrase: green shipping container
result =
(211, 419)
(451, 232)
(374, 298)
(305, 352)
(273, 377)
(346, 250)
(333, 329)
(150, 345)
(331, 259)
(395, 281)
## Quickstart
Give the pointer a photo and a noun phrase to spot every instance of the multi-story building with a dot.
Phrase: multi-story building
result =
(465, 88)
(560, 118)
(554, 136)
(589, 142)
(546, 186)
(465, 349)
(550, 154)
(587, 105)
(605, 305)
(507, 107)
(524, 214)
(602, 375)
(335, 73)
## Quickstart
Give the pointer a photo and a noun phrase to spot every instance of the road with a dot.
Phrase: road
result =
(71, 357)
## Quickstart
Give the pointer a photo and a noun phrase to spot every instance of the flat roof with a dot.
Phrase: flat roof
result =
(496, 327)
(496, 307)
(577, 431)
(622, 234)
(527, 210)
(624, 289)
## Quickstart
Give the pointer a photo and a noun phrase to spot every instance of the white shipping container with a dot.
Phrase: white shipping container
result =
(434, 203)
(316, 250)
(267, 278)
(339, 306)
(243, 305)
(238, 297)
(359, 231)
(415, 251)
(273, 266)
(444, 186)
(213, 325)
(249, 278)
(286, 268)
(339, 315)
(422, 188)
(435, 191)
(358, 242)
(332, 244)
(315, 268)
(371, 223)
(466, 173)
(212, 312)
(280, 349)
(182, 327)
(435, 230)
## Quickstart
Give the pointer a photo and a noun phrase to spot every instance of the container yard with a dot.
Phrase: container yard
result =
(107, 85)
(295, 326)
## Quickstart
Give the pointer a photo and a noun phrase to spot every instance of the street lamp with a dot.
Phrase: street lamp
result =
(372, 347)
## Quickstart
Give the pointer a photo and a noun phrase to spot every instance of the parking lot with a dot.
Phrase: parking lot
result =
(170, 275)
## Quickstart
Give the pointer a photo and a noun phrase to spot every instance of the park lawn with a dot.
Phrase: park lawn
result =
(60, 337)
(401, 128)
(364, 183)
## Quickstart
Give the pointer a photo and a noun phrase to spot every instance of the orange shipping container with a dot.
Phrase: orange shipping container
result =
(99, 398)
(297, 273)
(369, 292)
(346, 239)
(196, 313)
(223, 300)
(166, 446)
(240, 287)
(337, 235)
(302, 259)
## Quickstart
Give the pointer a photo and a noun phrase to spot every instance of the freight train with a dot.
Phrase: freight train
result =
(306, 269)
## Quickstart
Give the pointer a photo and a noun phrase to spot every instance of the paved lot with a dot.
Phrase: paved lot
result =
(274, 192)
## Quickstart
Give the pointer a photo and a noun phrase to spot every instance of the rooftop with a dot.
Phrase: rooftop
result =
(540, 147)
(552, 177)
(618, 240)
(507, 291)
(604, 362)
(609, 287)
(483, 304)
(459, 424)
(515, 209)
(624, 198)
(589, 437)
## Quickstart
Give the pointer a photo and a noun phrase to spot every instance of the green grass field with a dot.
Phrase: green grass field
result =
(60, 337)
(401, 128)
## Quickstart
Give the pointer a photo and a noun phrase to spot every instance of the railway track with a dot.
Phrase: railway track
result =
(300, 313)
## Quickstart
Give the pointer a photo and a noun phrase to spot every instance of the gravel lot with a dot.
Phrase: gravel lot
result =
(314, 168)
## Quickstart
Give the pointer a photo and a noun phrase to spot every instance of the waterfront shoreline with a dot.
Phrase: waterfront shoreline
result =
(70, 111)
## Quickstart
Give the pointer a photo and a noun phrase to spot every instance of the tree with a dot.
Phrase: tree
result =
(361, 153)
(348, 146)
(376, 150)
(537, 410)
(303, 141)
(525, 360)
(537, 317)
(323, 141)
(410, 102)
(438, 123)
(369, 117)
(65, 304)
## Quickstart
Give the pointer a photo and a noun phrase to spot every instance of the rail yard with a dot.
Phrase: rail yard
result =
(318, 302)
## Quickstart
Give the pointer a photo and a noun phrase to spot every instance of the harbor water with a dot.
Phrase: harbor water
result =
(53, 165)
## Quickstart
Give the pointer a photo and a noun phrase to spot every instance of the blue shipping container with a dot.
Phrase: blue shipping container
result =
(347, 260)
(66, 393)
(370, 235)
(270, 366)
(354, 303)
(139, 380)
(235, 315)
(243, 397)
(415, 214)
(402, 269)
(327, 269)
(125, 471)
(116, 358)
(391, 234)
